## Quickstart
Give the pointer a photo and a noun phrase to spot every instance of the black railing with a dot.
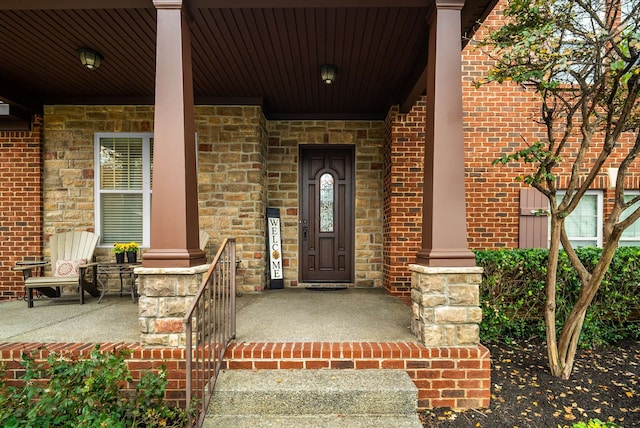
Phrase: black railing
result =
(210, 325)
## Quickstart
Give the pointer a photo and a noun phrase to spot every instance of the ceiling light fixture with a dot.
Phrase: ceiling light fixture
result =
(328, 73)
(90, 58)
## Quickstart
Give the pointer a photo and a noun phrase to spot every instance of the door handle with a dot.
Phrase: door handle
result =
(304, 233)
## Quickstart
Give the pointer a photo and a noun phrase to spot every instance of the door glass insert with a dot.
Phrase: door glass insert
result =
(326, 203)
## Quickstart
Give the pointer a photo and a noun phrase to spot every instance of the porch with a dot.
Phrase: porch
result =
(287, 315)
(277, 329)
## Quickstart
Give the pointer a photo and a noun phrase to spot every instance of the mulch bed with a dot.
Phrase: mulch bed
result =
(605, 384)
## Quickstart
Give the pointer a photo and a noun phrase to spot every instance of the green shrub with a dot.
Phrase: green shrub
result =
(512, 295)
(86, 392)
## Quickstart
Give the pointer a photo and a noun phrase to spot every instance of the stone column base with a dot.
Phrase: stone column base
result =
(165, 295)
(446, 305)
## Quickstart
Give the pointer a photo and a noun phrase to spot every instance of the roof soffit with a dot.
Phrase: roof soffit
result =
(241, 50)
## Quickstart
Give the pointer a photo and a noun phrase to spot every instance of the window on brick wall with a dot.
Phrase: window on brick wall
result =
(583, 25)
(631, 236)
(123, 175)
(584, 224)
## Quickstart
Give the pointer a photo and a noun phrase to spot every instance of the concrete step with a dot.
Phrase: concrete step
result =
(313, 398)
(312, 421)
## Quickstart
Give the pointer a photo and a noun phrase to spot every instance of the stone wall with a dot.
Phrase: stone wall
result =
(236, 148)
(231, 173)
(232, 178)
(69, 164)
(165, 296)
(284, 141)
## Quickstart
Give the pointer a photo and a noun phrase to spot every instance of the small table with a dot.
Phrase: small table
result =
(122, 270)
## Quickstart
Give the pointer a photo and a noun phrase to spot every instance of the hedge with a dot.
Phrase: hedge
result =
(512, 295)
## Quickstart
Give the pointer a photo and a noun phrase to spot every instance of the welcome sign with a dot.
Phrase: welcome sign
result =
(274, 248)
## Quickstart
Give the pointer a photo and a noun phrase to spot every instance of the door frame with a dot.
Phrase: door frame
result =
(351, 234)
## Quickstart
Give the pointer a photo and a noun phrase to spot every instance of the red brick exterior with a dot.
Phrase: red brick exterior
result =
(457, 377)
(498, 119)
(403, 177)
(21, 202)
(141, 360)
(445, 377)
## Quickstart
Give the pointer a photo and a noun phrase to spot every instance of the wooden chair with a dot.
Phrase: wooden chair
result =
(71, 256)
(204, 242)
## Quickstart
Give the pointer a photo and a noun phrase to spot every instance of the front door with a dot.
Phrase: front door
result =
(326, 214)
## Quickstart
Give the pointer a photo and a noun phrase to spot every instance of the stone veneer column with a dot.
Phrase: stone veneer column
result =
(446, 303)
(165, 295)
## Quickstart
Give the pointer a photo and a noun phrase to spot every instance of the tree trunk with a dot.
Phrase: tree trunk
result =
(570, 334)
(550, 304)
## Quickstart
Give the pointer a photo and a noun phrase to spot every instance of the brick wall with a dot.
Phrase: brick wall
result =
(21, 202)
(499, 119)
(458, 377)
(140, 361)
(403, 177)
(284, 141)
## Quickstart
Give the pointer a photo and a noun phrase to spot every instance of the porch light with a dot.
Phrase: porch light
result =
(90, 58)
(328, 73)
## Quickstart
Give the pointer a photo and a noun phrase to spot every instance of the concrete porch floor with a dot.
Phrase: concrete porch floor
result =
(287, 315)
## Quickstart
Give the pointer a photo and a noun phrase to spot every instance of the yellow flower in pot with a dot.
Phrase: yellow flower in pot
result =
(130, 248)
(119, 248)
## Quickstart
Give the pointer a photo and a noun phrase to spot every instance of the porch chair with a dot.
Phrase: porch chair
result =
(204, 242)
(71, 257)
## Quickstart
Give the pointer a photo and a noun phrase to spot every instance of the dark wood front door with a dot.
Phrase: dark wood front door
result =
(326, 214)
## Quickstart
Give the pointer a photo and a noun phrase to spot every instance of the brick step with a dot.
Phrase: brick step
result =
(318, 397)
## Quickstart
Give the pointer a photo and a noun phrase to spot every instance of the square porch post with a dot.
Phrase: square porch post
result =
(444, 228)
(445, 282)
(174, 214)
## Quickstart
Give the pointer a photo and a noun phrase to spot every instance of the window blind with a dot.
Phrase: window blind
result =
(123, 186)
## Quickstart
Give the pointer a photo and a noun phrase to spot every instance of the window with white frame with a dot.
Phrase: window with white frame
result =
(631, 236)
(123, 176)
(582, 26)
(584, 224)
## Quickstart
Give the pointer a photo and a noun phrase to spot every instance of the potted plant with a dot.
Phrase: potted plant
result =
(119, 250)
(130, 248)
(132, 252)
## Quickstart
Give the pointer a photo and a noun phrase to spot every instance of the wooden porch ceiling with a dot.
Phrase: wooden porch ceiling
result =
(265, 52)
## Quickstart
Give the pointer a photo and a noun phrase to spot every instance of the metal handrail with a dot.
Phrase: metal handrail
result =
(210, 324)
